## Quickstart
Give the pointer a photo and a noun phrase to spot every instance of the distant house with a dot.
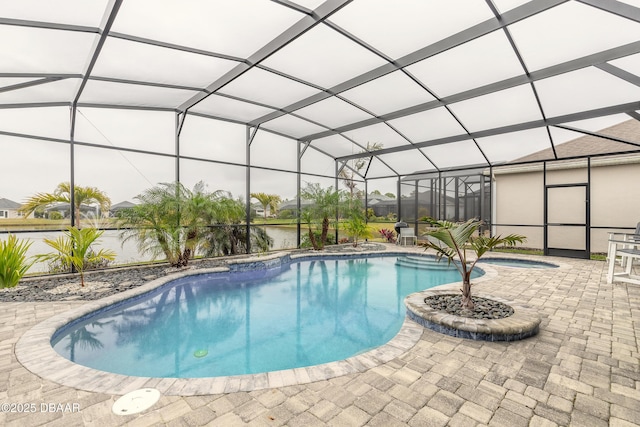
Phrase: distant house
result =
(9, 209)
(65, 210)
(259, 210)
(118, 207)
(292, 204)
(566, 183)
(382, 205)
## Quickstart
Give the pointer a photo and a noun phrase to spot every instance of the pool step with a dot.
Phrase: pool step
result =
(424, 263)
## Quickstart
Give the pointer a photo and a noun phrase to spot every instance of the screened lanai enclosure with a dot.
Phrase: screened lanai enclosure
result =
(422, 106)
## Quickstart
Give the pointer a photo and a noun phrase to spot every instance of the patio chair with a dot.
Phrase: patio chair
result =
(633, 238)
(407, 234)
(627, 247)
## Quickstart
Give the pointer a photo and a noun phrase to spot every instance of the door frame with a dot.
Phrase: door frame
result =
(571, 253)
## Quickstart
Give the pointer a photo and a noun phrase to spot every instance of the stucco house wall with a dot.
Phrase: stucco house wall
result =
(614, 196)
(9, 209)
(613, 175)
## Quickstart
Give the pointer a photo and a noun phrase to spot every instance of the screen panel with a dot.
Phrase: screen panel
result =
(571, 30)
(45, 121)
(213, 139)
(216, 176)
(430, 19)
(273, 151)
(122, 175)
(209, 25)
(476, 63)
(388, 93)
(137, 129)
(323, 57)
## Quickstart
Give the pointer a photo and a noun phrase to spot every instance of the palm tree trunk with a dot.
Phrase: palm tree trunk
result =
(77, 215)
(467, 302)
(312, 239)
(325, 230)
(184, 258)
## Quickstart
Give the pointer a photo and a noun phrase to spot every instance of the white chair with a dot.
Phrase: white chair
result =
(407, 234)
(615, 240)
(627, 247)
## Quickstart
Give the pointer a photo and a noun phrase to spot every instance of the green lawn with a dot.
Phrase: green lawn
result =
(18, 224)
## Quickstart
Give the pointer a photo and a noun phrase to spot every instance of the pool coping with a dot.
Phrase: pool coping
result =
(34, 351)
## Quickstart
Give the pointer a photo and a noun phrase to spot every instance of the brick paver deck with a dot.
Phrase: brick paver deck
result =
(582, 369)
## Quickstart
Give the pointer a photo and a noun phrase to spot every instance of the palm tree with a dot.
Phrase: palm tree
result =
(324, 205)
(169, 221)
(267, 200)
(226, 236)
(74, 248)
(176, 222)
(452, 240)
(62, 194)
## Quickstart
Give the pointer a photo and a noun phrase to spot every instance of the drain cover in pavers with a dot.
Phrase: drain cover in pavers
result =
(136, 401)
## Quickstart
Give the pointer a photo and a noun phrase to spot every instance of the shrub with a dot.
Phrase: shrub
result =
(357, 228)
(305, 242)
(286, 214)
(55, 215)
(90, 263)
(388, 234)
(13, 261)
(371, 215)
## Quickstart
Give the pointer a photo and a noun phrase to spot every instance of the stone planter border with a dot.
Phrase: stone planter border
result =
(523, 323)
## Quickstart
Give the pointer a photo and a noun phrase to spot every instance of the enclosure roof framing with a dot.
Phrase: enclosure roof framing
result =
(432, 86)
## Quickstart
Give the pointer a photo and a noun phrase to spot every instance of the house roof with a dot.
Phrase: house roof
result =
(379, 197)
(292, 204)
(65, 206)
(592, 145)
(8, 204)
(122, 205)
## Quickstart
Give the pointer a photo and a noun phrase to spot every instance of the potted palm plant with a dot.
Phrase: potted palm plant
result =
(451, 241)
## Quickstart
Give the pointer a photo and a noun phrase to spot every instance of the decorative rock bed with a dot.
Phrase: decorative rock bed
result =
(111, 281)
(483, 308)
(523, 323)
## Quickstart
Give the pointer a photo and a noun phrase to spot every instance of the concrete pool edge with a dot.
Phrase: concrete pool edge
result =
(34, 351)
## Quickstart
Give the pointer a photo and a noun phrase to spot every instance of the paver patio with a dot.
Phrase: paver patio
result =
(582, 369)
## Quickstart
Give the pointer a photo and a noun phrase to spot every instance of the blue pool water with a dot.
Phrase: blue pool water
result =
(302, 314)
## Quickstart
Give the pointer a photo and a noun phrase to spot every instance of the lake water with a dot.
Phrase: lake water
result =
(284, 238)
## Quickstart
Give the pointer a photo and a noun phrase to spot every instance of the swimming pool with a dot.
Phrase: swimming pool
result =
(302, 313)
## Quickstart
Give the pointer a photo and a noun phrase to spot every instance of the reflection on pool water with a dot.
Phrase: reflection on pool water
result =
(301, 314)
